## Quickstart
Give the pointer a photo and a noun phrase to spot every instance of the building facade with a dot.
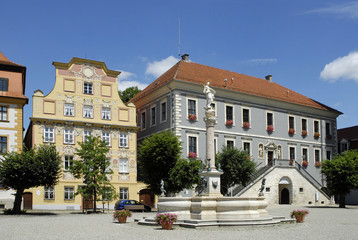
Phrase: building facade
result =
(278, 127)
(12, 101)
(84, 102)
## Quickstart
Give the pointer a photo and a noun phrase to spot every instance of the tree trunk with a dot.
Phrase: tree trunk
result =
(342, 200)
(18, 200)
(95, 199)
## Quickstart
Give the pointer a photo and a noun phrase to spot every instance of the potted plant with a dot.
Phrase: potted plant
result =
(316, 135)
(270, 128)
(290, 162)
(317, 164)
(245, 124)
(291, 131)
(192, 155)
(229, 123)
(122, 215)
(304, 163)
(299, 215)
(166, 220)
(192, 117)
(304, 133)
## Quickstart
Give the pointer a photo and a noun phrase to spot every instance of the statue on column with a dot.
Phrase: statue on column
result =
(209, 95)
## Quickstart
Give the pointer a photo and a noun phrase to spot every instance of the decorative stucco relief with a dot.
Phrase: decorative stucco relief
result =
(87, 73)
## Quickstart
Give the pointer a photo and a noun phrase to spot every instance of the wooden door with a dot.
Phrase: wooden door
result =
(27, 200)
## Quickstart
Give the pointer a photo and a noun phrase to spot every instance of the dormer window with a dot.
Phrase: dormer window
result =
(4, 84)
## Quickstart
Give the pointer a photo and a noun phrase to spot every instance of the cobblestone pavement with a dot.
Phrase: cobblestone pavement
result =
(322, 223)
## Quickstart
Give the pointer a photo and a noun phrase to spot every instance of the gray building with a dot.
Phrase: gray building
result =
(287, 134)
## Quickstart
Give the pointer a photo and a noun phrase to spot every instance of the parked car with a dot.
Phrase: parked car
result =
(132, 205)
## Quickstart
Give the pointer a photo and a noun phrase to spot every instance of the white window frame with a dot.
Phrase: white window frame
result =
(294, 152)
(69, 109)
(303, 118)
(319, 154)
(49, 193)
(233, 112)
(243, 144)
(242, 116)
(49, 131)
(196, 106)
(86, 134)
(123, 193)
(197, 143)
(308, 154)
(123, 140)
(294, 122)
(161, 111)
(106, 113)
(88, 90)
(273, 119)
(69, 134)
(67, 162)
(145, 120)
(230, 139)
(123, 165)
(88, 111)
(69, 193)
(105, 135)
(151, 115)
(319, 126)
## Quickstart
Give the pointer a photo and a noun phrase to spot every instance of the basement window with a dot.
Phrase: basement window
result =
(268, 189)
(301, 189)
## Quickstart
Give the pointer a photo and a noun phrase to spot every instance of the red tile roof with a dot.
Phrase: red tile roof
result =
(201, 74)
(348, 133)
(4, 60)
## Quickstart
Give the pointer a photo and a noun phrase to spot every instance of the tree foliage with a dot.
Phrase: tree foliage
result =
(128, 93)
(28, 169)
(93, 167)
(341, 174)
(237, 167)
(159, 158)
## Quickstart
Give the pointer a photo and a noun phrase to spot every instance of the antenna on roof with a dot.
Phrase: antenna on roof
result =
(179, 41)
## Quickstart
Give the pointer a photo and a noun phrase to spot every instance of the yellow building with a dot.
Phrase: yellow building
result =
(12, 101)
(84, 102)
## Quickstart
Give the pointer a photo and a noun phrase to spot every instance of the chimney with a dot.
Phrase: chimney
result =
(268, 78)
(185, 57)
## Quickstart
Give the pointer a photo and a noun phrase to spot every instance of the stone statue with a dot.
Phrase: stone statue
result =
(261, 151)
(209, 95)
(202, 186)
(262, 188)
(162, 188)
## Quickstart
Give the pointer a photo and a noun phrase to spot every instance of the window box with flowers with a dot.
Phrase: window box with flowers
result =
(290, 162)
(291, 131)
(192, 117)
(316, 135)
(304, 163)
(192, 155)
(229, 123)
(270, 128)
(304, 133)
(317, 164)
(246, 125)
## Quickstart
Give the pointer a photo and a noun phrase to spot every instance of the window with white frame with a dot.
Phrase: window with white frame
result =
(246, 117)
(291, 122)
(305, 154)
(269, 119)
(69, 193)
(69, 109)
(123, 165)
(106, 113)
(143, 122)
(49, 134)
(69, 136)
(247, 147)
(317, 155)
(88, 88)
(316, 126)
(123, 140)
(106, 137)
(163, 111)
(229, 113)
(292, 151)
(49, 193)
(192, 144)
(86, 134)
(88, 111)
(191, 107)
(152, 116)
(230, 143)
(3, 113)
(68, 161)
(123, 193)
(3, 145)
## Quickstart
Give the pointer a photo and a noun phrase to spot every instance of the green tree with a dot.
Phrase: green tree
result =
(93, 167)
(341, 174)
(129, 93)
(158, 155)
(237, 167)
(28, 169)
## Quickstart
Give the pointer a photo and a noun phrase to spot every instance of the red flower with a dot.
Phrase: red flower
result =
(246, 124)
(270, 128)
(229, 122)
(304, 163)
(291, 131)
(192, 117)
(316, 135)
(192, 155)
(304, 133)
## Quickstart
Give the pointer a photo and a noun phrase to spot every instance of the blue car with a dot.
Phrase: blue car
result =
(131, 205)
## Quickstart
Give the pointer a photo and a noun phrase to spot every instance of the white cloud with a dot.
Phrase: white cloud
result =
(342, 68)
(125, 75)
(157, 68)
(260, 61)
(349, 10)
(123, 85)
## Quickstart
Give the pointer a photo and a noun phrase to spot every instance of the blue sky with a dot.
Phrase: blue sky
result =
(308, 46)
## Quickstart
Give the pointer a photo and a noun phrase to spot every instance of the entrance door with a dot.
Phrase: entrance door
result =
(285, 196)
(270, 158)
(146, 197)
(27, 200)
